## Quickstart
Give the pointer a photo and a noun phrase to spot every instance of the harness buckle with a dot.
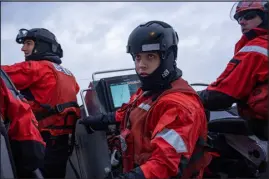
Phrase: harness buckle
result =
(59, 108)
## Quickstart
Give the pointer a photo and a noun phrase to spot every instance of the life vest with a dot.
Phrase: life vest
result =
(59, 114)
(135, 137)
(255, 105)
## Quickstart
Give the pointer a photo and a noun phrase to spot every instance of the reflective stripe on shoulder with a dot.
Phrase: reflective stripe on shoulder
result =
(174, 139)
(254, 48)
(144, 106)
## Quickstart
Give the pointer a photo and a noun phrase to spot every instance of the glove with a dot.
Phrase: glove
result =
(136, 173)
(99, 122)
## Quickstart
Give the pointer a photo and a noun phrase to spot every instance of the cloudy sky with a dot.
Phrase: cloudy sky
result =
(93, 35)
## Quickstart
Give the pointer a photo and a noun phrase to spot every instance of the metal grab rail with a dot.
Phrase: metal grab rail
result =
(109, 71)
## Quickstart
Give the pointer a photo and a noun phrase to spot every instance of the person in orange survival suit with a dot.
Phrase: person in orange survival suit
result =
(51, 90)
(163, 127)
(27, 145)
(245, 79)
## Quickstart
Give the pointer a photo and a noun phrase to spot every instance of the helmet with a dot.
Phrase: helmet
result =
(45, 42)
(160, 37)
(244, 5)
(152, 36)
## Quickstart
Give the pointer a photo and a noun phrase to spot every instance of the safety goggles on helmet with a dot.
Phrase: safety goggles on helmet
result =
(37, 34)
(23, 34)
(40, 36)
(247, 16)
(241, 6)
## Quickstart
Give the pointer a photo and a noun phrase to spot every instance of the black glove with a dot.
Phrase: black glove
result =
(136, 173)
(100, 121)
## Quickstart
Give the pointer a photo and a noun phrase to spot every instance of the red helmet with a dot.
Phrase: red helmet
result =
(246, 5)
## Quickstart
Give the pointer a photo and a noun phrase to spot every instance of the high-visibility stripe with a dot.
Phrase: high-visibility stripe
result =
(144, 106)
(254, 48)
(174, 139)
(150, 47)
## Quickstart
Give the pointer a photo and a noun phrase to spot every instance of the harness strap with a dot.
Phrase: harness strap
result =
(56, 110)
(184, 162)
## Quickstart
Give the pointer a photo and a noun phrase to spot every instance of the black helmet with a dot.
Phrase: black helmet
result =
(160, 37)
(45, 42)
(152, 36)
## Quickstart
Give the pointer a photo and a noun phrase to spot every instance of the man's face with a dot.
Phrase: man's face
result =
(146, 63)
(28, 47)
(248, 21)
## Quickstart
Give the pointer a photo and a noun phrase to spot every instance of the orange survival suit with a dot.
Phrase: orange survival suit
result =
(163, 134)
(244, 81)
(26, 142)
(51, 90)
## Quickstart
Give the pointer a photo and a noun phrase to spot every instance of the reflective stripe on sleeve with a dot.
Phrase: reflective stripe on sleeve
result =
(254, 48)
(174, 139)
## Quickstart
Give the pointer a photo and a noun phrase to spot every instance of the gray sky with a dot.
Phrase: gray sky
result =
(93, 35)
